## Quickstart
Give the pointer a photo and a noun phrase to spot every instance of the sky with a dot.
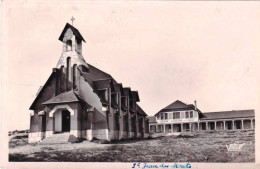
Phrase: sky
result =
(168, 51)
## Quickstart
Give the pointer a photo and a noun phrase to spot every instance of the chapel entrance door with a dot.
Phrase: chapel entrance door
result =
(65, 121)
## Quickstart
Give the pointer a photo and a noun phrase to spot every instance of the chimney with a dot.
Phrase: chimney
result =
(195, 104)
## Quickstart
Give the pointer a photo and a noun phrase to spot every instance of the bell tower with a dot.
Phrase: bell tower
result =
(71, 59)
(71, 47)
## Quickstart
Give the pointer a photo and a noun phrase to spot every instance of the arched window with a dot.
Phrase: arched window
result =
(69, 68)
(68, 45)
(62, 79)
(74, 76)
(85, 69)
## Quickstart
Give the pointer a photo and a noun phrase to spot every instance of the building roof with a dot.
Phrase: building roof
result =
(118, 87)
(42, 89)
(74, 30)
(177, 106)
(127, 91)
(228, 114)
(151, 119)
(69, 96)
(102, 84)
(135, 96)
(140, 110)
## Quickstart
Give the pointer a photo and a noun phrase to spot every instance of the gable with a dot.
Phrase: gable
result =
(66, 97)
(46, 93)
(73, 29)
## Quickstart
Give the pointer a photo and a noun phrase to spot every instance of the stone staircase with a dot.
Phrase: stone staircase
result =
(57, 138)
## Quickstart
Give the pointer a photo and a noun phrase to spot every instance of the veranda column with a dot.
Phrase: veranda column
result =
(233, 123)
(198, 126)
(171, 128)
(252, 126)
(181, 127)
(207, 126)
(215, 125)
(190, 126)
(224, 123)
(242, 124)
(164, 128)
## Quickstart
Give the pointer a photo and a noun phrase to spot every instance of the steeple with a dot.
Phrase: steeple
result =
(72, 47)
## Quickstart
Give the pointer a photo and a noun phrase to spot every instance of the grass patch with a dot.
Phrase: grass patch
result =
(192, 147)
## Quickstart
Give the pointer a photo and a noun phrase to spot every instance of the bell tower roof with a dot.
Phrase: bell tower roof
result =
(74, 30)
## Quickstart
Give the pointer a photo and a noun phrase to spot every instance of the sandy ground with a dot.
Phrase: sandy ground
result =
(192, 147)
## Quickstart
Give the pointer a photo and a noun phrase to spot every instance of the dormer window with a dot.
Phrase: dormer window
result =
(133, 104)
(124, 102)
(114, 99)
(103, 93)
(68, 45)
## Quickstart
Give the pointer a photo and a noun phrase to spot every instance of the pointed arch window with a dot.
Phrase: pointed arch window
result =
(68, 45)
(74, 76)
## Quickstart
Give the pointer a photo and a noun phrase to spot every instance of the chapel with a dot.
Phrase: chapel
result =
(84, 101)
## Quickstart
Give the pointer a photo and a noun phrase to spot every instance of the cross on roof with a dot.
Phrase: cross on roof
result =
(72, 19)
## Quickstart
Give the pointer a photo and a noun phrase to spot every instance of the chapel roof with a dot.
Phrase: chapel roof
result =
(69, 96)
(42, 89)
(140, 110)
(118, 88)
(135, 96)
(102, 84)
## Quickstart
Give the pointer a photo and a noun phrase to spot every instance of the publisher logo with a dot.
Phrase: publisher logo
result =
(237, 146)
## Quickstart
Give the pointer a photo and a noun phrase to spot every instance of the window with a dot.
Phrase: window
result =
(114, 99)
(191, 114)
(103, 94)
(166, 116)
(69, 68)
(84, 69)
(177, 115)
(123, 101)
(133, 104)
(186, 114)
(170, 116)
(74, 76)
(161, 116)
(68, 45)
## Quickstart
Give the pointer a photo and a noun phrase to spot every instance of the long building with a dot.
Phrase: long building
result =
(84, 101)
(181, 117)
